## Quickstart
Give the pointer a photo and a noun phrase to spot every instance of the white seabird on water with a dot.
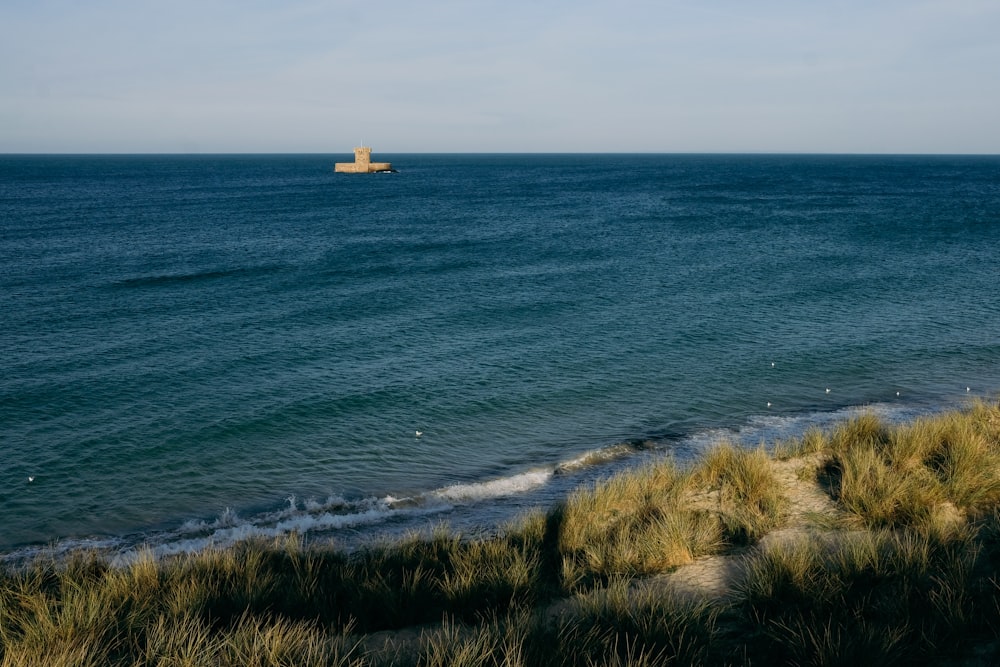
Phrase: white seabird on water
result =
(31, 478)
(418, 433)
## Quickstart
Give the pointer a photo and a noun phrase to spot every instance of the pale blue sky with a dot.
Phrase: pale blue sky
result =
(847, 76)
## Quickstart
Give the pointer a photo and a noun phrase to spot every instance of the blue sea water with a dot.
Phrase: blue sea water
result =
(196, 349)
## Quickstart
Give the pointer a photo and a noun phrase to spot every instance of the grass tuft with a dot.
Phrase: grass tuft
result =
(621, 626)
(632, 524)
(751, 502)
(929, 473)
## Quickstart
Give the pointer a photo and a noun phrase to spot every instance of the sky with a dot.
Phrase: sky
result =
(663, 76)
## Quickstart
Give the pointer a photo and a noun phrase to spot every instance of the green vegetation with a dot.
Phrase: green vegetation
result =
(905, 569)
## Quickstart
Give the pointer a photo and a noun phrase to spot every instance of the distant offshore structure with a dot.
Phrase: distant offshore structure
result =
(362, 163)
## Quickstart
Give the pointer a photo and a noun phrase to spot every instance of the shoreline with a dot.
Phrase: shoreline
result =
(870, 539)
(474, 506)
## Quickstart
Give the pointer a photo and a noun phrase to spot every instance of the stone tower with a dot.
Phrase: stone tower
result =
(362, 163)
(362, 158)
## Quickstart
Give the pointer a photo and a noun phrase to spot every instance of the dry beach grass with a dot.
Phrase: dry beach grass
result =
(871, 543)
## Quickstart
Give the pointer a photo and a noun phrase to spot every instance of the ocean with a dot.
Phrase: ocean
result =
(199, 349)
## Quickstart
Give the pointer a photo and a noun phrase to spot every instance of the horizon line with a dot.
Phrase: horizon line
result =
(650, 153)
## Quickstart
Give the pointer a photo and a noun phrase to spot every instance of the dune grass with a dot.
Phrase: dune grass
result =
(661, 517)
(917, 474)
(622, 626)
(881, 597)
(913, 579)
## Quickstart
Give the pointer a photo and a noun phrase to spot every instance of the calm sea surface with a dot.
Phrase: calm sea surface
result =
(194, 349)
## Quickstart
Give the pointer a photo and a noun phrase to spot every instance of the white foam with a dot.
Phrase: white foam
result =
(61, 549)
(193, 526)
(497, 488)
(331, 503)
(229, 529)
(596, 457)
(768, 428)
(305, 523)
